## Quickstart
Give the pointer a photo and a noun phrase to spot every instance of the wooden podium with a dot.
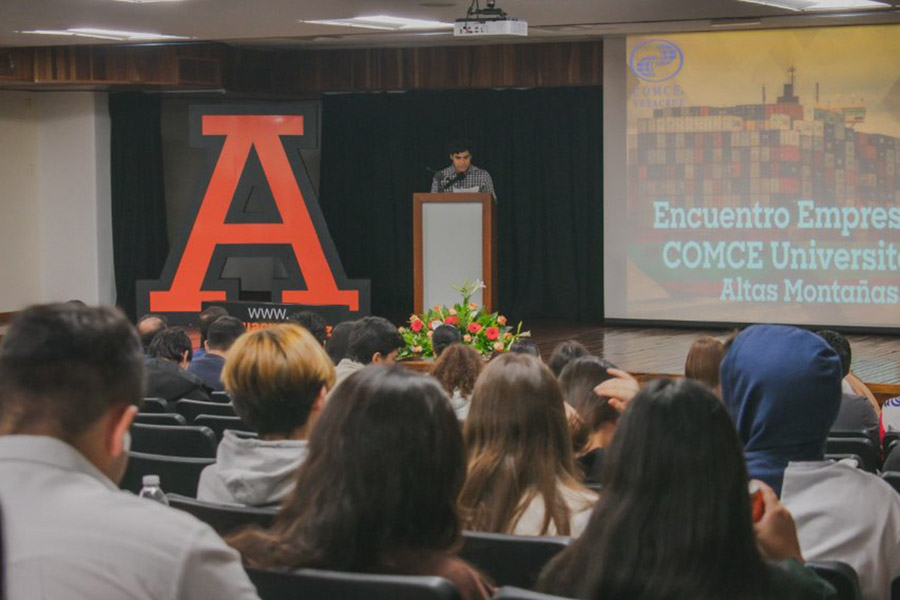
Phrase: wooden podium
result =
(454, 240)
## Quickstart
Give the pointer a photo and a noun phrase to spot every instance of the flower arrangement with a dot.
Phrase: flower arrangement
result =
(485, 332)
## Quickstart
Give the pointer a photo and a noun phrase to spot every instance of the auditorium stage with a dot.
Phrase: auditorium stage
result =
(876, 358)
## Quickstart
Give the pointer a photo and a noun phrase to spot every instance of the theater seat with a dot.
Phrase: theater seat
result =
(840, 575)
(219, 423)
(154, 405)
(862, 447)
(174, 440)
(313, 584)
(160, 419)
(190, 409)
(221, 397)
(514, 593)
(223, 518)
(177, 474)
(893, 479)
(511, 560)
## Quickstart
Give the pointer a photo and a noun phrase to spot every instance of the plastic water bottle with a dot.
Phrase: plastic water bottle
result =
(152, 490)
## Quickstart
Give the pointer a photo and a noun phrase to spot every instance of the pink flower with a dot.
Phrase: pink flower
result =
(501, 320)
(452, 320)
(492, 333)
(417, 326)
(499, 347)
(475, 328)
(467, 338)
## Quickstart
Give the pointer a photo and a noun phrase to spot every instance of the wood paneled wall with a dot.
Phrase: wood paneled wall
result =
(305, 73)
(193, 65)
(454, 67)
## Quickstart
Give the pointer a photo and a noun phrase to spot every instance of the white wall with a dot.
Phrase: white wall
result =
(20, 248)
(55, 225)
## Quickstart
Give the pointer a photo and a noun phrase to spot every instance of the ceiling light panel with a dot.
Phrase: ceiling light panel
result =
(385, 23)
(821, 5)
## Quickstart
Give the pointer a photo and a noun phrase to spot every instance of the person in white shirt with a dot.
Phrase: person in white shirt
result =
(782, 386)
(71, 379)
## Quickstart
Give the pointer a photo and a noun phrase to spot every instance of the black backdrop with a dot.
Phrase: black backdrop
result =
(543, 148)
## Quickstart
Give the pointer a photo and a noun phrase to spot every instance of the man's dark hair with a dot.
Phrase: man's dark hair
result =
(339, 342)
(170, 344)
(444, 336)
(312, 322)
(840, 345)
(62, 366)
(208, 317)
(525, 347)
(371, 335)
(460, 145)
(150, 329)
(224, 331)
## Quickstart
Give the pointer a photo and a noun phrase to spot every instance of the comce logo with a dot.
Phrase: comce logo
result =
(656, 60)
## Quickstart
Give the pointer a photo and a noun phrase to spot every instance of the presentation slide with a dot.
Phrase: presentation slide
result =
(763, 178)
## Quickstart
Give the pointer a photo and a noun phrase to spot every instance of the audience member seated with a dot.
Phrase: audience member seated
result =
(313, 323)
(372, 340)
(71, 380)
(168, 359)
(207, 318)
(339, 341)
(148, 326)
(277, 378)
(522, 475)
(457, 370)
(782, 386)
(857, 412)
(704, 360)
(377, 493)
(564, 353)
(220, 336)
(675, 517)
(525, 346)
(596, 419)
(443, 337)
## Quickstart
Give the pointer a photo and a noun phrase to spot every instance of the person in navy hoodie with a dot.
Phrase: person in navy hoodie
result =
(782, 386)
(221, 335)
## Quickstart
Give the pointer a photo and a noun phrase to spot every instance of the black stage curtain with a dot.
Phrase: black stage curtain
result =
(140, 241)
(543, 148)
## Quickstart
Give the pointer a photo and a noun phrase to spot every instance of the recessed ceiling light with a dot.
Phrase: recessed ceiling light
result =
(821, 5)
(146, 1)
(107, 34)
(384, 22)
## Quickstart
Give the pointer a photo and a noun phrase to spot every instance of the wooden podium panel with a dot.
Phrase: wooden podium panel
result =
(454, 240)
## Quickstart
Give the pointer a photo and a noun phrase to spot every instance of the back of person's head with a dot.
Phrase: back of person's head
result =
(674, 519)
(578, 381)
(564, 353)
(704, 360)
(782, 386)
(525, 346)
(518, 444)
(339, 342)
(275, 376)
(224, 332)
(171, 344)
(148, 326)
(63, 366)
(841, 345)
(350, 513)
(313, 323)
(443, 337)
(208, 317)
(373, 336)
(458, 369)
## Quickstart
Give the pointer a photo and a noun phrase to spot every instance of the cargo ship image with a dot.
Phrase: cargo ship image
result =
(773, 154)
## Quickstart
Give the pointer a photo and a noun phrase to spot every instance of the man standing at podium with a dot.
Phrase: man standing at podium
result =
(462, 175)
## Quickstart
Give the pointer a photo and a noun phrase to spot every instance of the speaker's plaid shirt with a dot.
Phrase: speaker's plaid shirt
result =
(474, 178)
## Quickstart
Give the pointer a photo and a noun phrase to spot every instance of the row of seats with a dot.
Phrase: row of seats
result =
(510, 561)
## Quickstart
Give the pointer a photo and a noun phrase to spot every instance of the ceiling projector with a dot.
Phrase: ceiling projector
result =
(488, 21)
